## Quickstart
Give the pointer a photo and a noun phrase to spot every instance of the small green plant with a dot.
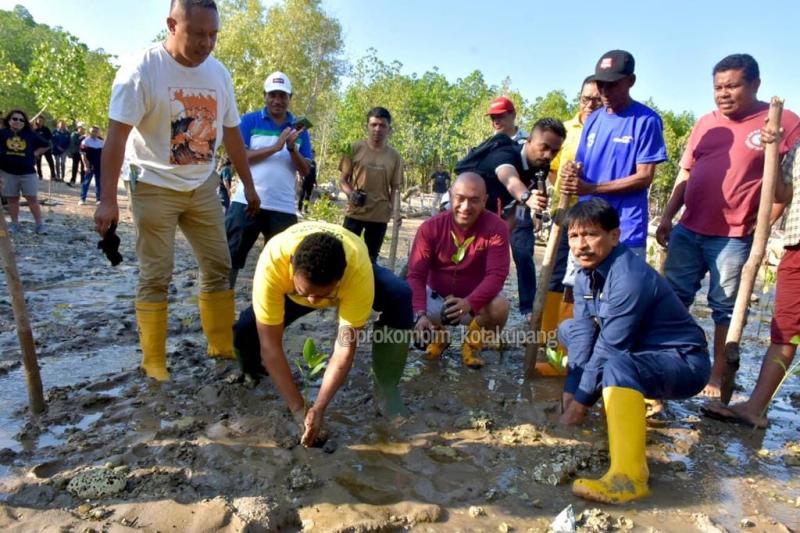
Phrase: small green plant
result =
(325, 210)
(461, 248)
(58, 311)
(556, 358)
(312, 363)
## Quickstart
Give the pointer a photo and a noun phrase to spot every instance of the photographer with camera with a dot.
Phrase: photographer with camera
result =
(371, 174)
(459, 263)
(278, 146)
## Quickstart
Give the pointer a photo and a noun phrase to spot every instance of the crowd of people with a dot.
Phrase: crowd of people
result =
(627, 330)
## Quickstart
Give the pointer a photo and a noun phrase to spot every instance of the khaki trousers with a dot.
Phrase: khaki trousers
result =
(157, 212)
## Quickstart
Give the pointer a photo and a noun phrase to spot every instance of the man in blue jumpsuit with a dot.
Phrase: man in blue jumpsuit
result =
(631, 338)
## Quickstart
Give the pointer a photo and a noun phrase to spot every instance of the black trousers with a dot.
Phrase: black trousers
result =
(48, 155)
(374, 232)
(77, 162)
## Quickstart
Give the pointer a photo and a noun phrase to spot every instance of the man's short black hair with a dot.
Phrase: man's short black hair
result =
(380, 112)
(550, 124)
(587, 79)
(186, 5)
(744, 62)
(592, 212)
(320, 258)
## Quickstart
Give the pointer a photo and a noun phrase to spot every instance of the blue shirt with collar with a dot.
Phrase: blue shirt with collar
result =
(624, 306)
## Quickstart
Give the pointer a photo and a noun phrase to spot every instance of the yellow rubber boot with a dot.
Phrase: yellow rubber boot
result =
(473, 343)
(627, 476)
(550, 314)
(217, 312)
(438, 345)
(152, 321)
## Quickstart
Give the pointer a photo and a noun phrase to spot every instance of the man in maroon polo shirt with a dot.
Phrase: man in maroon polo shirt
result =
(459, 263)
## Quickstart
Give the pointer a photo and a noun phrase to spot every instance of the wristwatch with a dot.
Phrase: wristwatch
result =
(525, 197)
(290, 149)
(418, 315)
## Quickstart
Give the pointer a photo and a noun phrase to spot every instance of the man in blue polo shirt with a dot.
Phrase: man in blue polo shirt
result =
(631, 338)
(620, 146)
(276, 150)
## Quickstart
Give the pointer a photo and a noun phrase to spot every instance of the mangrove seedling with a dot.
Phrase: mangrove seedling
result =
(312, 363)
(556, 358)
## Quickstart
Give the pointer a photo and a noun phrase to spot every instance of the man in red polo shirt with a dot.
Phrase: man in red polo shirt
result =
(719, 183)
(459, 263)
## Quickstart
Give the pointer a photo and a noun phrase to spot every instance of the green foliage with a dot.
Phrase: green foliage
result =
(56, 76)
(461, 248)
(325, 210)
(556, 358)
(311, 364)
(47, 68)
(677, 127)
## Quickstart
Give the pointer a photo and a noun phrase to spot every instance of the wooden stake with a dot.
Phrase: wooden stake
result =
(543, 282)
(396, 223)
(756, 257)
(35, 394)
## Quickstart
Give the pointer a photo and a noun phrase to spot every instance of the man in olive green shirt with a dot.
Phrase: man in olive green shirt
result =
(371, 174)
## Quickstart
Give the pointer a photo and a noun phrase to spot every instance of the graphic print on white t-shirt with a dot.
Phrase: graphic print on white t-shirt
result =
(193, 119)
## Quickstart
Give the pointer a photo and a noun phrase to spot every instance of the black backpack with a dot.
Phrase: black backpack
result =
(498, 197)
(476, 155)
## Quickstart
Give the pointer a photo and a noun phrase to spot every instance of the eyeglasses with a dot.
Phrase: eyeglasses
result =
(586, 100)
(16, 119)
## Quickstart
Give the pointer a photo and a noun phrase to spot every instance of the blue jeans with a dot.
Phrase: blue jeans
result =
(392, 301)
(522, 252)
(92, 172)
(690, 255)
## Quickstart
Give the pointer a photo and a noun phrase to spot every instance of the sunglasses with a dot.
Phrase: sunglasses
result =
(16, 119)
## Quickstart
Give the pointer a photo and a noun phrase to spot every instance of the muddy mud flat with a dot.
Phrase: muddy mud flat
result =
(212, 451)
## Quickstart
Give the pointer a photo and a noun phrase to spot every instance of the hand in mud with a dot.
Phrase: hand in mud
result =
(574, 414)
(106, 214)
(299, 417)
(456, 308)
(313, 426)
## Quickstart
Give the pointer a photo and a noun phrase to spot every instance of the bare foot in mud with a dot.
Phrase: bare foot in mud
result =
(739, 413)
(712, 390)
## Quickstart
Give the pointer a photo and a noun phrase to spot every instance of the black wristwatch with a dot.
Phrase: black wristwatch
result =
(525, 197)
(418, 315)
(290, 149)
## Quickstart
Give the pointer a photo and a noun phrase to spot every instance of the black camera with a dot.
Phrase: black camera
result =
(358, 198)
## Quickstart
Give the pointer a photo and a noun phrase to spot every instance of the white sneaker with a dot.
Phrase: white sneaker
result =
(81, 202)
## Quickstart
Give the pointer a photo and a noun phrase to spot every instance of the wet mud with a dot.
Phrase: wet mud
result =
(212, 451)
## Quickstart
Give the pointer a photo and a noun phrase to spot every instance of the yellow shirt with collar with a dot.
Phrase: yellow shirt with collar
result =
(273, 277)
(568, 150)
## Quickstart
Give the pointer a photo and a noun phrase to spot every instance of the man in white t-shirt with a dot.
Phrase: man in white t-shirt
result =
(278, 148)
(173, 105)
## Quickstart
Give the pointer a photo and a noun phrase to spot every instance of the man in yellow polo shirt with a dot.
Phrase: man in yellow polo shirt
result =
(310, 266)
(558, 306)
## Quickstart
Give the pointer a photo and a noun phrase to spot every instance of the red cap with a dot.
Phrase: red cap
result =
(501, 105)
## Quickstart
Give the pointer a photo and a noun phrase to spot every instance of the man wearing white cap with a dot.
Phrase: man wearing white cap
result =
(277, 148)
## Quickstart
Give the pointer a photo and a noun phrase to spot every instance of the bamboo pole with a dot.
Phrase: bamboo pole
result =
(543, 282)
(396, 222)
(24, 333)
(756, 257)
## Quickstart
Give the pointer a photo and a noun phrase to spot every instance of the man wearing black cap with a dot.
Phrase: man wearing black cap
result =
(619, 149)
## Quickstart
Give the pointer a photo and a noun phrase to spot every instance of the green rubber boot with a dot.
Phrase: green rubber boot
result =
(388, 362)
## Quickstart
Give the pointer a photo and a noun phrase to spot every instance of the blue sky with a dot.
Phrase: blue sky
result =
(539, 45)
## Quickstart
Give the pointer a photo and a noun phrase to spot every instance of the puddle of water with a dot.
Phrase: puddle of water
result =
(61, 371)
